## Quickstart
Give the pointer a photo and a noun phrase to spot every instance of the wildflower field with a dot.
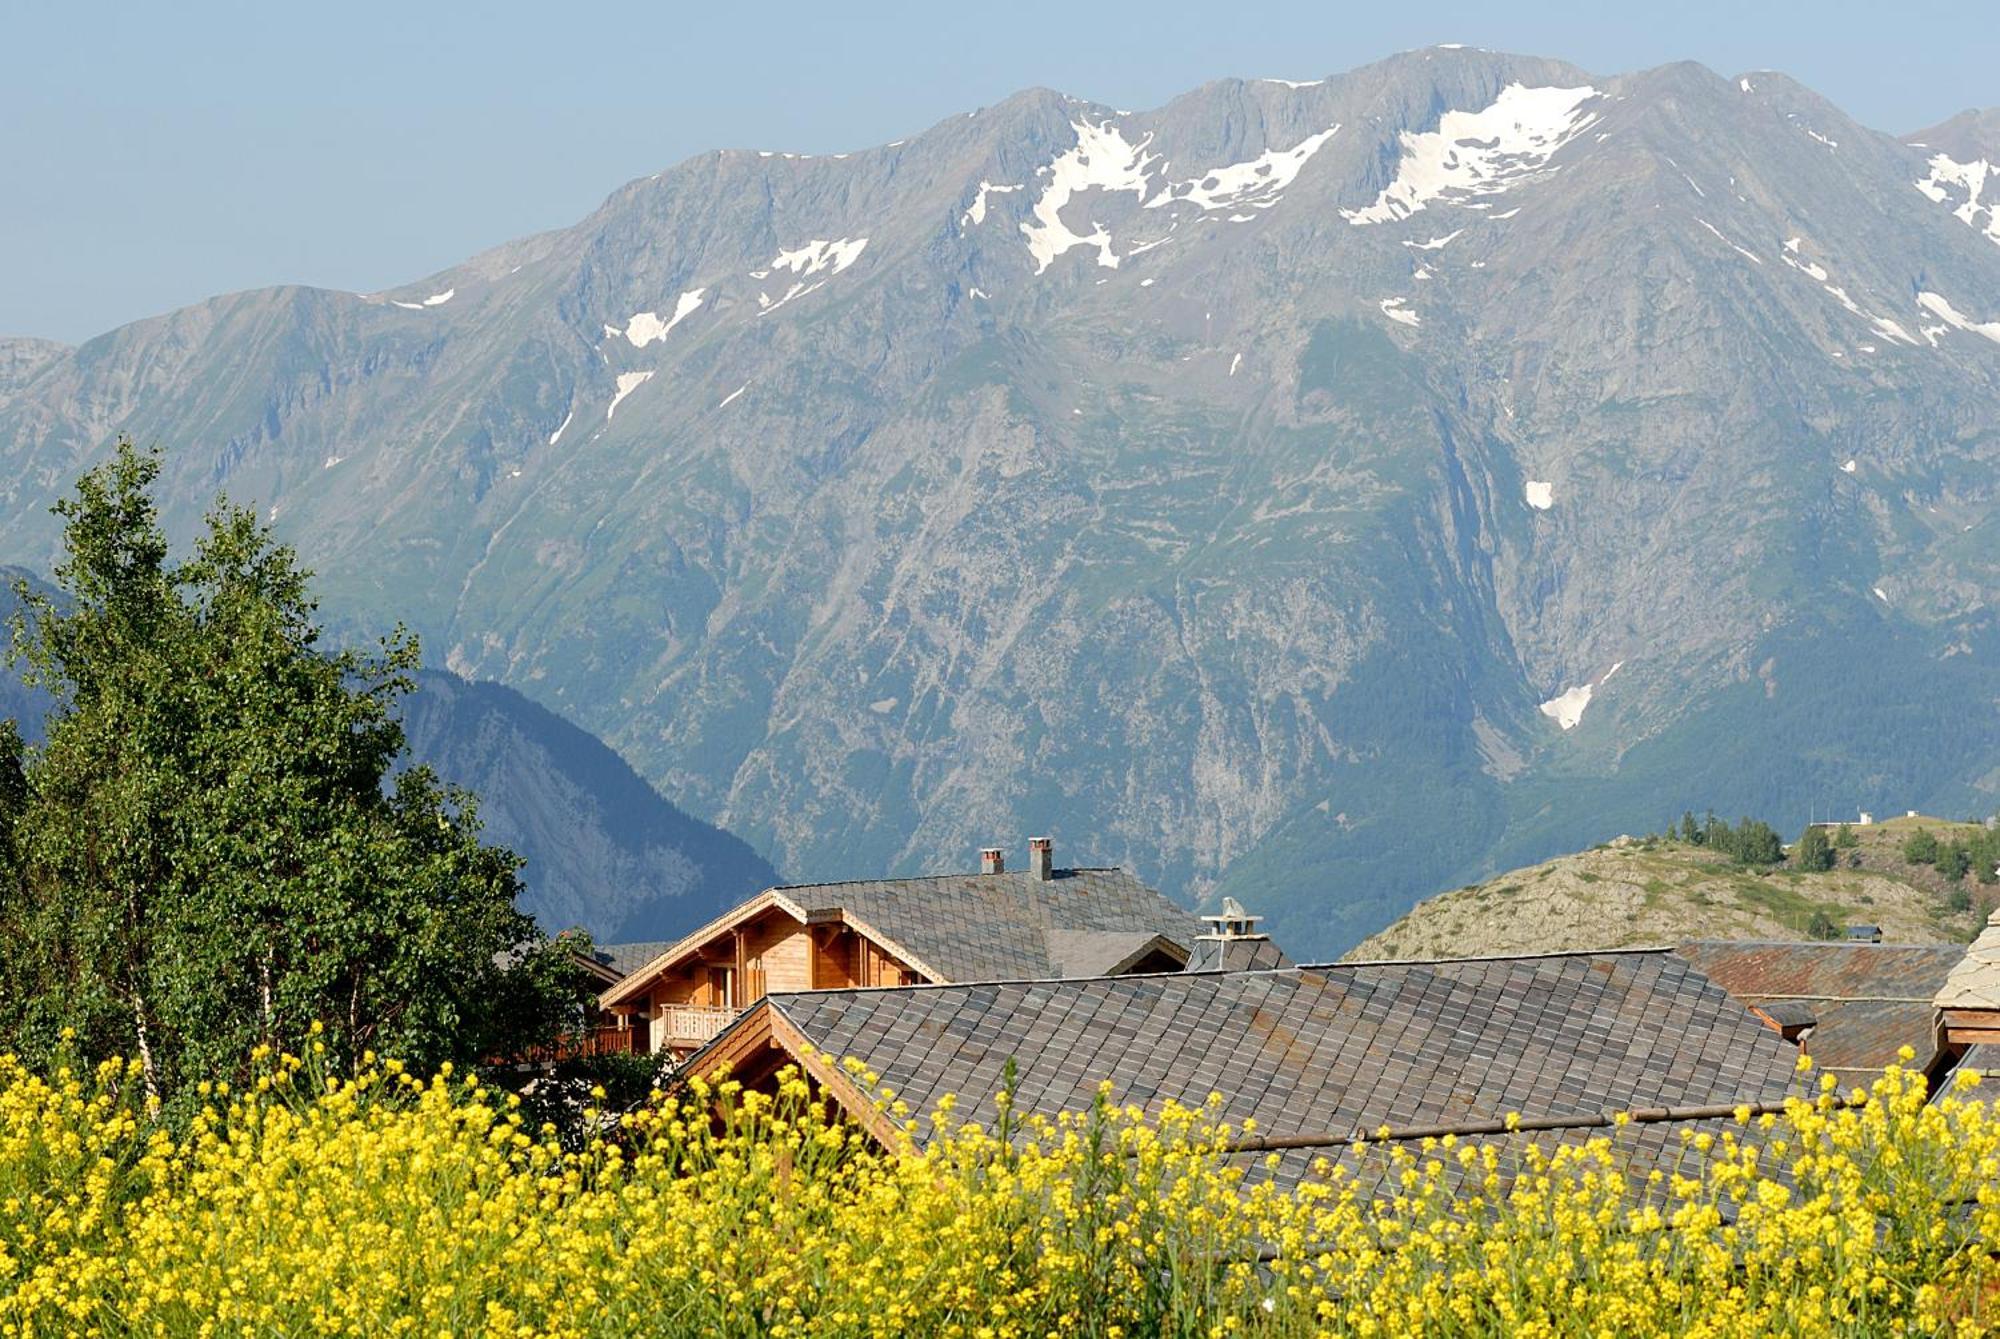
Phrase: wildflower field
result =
(381, 1204)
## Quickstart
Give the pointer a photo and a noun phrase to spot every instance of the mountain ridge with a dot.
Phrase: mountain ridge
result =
(1225, 487)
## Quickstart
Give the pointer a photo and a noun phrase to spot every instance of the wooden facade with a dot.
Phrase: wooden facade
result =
(679, 1002)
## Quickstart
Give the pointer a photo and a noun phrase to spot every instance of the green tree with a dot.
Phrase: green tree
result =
(1953, 861)
(1756, 842)
(1822, 926)
(1984, 849)
(1813, 853)
(212, 852)
(1920, 848)
(1845, 838)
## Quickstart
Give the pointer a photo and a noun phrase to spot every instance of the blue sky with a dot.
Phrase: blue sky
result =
(153, 154)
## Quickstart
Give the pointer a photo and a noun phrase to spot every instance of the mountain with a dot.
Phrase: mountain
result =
(1316, 492)
(19, 703)
(604, 851)
(1651, 891)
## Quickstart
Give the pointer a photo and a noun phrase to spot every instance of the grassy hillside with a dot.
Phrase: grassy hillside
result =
(1653, 891)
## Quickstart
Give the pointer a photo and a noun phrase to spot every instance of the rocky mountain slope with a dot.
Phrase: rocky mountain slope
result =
(1660, 892)
(1319, 492)
(604, 851)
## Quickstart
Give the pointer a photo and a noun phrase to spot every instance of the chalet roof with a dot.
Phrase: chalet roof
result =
(1866, 1001)
(1235, 955)
(1330, 1048)
(1975, 982)
(991, 927)
(975, 927)
(1104, 952)
(624, 959)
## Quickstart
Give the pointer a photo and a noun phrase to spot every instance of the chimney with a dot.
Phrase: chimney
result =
(991, 861)
(1232, 924)
(1041, 858)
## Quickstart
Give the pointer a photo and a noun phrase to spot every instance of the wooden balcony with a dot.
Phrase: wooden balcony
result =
(596, 1041)
(691, 1025)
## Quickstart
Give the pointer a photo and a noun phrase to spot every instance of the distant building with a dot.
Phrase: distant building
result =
(1041, 922)
(1865, 819)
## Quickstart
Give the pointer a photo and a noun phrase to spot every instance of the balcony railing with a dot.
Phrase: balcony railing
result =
(692, 1024)
(597, 1041)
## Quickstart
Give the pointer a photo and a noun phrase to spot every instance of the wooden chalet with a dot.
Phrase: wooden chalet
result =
(1041, 922)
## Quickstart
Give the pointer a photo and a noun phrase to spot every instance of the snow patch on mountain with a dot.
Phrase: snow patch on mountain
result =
(1394, 310)
(1807, 267)
(732, 395)
(646, 327)
(976, 212)
(1483, 152)
(1973, 178)
(1566, 709)
(1103, 160)
(1850, 467)
(820, 255)
(1726, 242)
(1540, 494)
(1257, 184)
(556, 436)
(1434, 243)
(815, 257)
(627, 383)
(1951, 316)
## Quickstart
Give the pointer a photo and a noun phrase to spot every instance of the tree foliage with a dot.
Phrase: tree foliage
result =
(1921, 848)
(1814, 853)
(1954, 860)
(209, 852)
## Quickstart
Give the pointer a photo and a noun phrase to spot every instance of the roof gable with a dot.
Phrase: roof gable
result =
(971, 927)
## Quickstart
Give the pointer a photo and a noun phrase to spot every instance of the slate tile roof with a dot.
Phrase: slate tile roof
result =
(1338, 1048)
(991, 927)
(624, 959)
(1975, 982)
(1867, 1000)
(1236, 955)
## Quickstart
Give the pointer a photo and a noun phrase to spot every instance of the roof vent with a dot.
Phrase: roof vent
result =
(1041, 858)
(1232, 923)
(991, 861)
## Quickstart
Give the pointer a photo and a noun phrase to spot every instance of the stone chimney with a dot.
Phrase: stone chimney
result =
(1041, 858)
(991, 861)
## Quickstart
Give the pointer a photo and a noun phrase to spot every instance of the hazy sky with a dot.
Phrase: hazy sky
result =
(152, 154)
